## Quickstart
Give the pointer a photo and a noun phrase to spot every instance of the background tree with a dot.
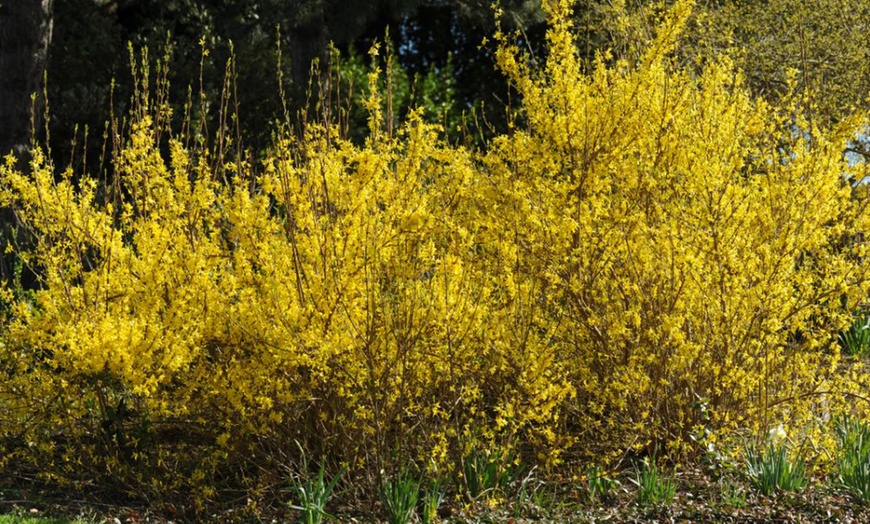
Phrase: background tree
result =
(91, 48)
(824, 45)
(25, 33)
(816, 50)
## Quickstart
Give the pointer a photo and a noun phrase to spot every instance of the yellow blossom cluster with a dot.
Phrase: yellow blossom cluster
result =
(643, 239)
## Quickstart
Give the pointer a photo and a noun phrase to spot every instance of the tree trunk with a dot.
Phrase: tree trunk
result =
(25, 33)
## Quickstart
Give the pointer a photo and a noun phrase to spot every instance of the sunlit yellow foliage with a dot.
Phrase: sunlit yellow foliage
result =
(644, 240)
(694, 244)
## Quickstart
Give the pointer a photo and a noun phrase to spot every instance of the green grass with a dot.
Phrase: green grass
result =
(15, 519)
(773, 469)
(855, 341)
(853, 462)
(653, 488)
(487, 472)
(399, 496)
(312, 493)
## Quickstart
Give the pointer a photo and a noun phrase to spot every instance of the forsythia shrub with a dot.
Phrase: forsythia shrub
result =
(691, 245)
(644, 239)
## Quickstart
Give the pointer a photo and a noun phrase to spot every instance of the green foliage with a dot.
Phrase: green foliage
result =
(399, 496)
(652, 487)
(488, 472)
(732, 494)
(855, 341)
(15, 519)
(431, 499)
(312, 493)
(433, 91)
(773, 468)
(853, 460)
(599, 486)
(537, 498)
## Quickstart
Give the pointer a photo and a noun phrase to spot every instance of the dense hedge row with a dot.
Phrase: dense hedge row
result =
(649, 259)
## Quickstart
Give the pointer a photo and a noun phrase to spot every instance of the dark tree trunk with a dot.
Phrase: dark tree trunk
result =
(25, 33)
